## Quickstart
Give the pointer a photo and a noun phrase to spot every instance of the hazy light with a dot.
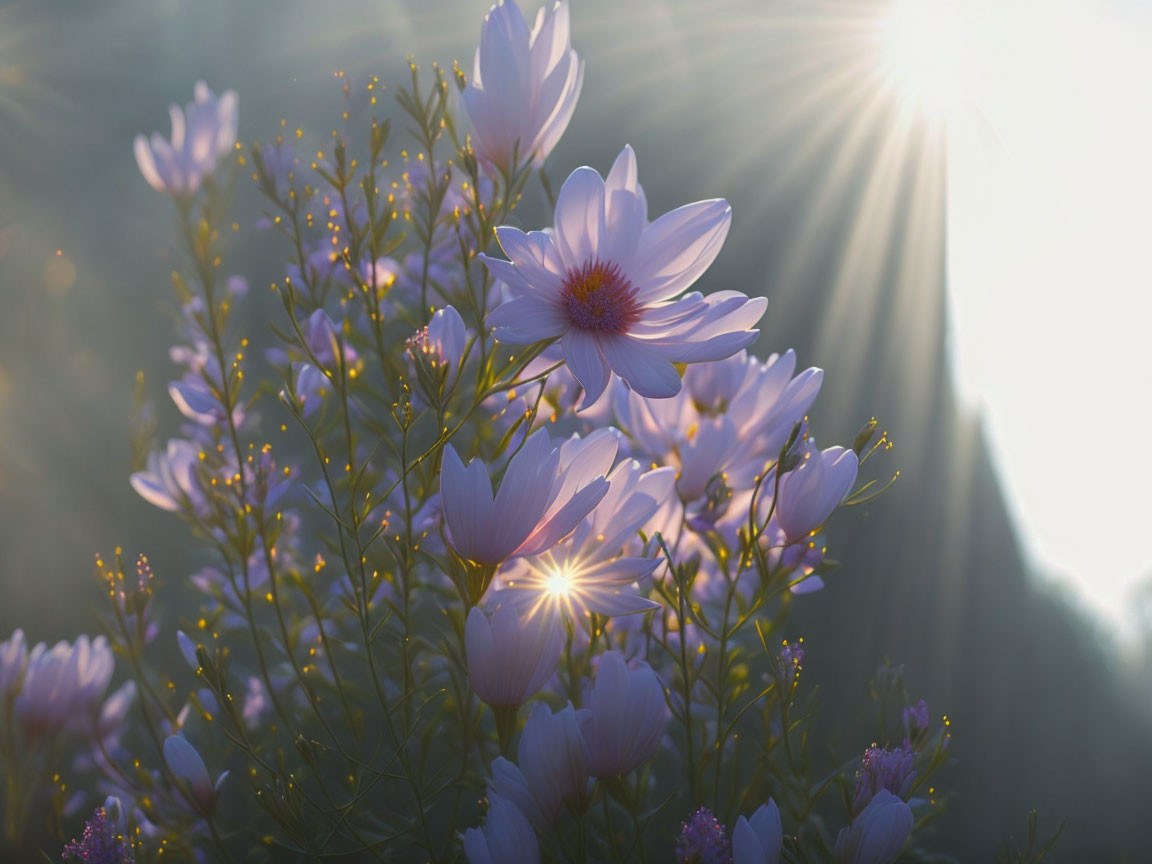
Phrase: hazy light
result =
(923, 46)
(1048, 134)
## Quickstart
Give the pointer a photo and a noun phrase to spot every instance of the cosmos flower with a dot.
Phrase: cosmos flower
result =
(588, 571)
(545, 492)
(510, 656)
(189, 769)
(605, 282)
(731, 418)
(757, 840)
(878, 833)
(524, 87)
(813, 489)
(63, 685)
(202, 134)
(625, 718)
(506, 838)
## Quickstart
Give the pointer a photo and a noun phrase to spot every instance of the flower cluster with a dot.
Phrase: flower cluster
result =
(495, 533)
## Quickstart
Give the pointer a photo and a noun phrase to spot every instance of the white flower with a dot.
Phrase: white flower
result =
(545, 492)
(758, 840)
(510, 656)
(202, 134)
(506, 838)
(605, 282)
(524, 86)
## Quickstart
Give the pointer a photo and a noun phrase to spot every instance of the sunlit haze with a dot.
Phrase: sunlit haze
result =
(1048, 256)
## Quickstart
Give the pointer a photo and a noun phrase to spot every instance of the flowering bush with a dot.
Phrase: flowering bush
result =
(499, 534)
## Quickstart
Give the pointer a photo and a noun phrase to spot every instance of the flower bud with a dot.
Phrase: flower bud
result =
(815, 488)
(189, 769)
(625, 719)
(506, 838)
(510, 657)
(554, 759)
(757, 840)
(878, 833)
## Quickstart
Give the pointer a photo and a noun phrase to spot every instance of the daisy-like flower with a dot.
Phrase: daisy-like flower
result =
(202, 134)
(588, 571)
(525, 83)
(605, 282)
(545, 492)
(731, 418)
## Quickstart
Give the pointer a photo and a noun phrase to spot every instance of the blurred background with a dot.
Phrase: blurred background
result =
(946, 206)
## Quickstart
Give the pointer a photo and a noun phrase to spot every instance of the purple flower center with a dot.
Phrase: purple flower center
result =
(600, 297)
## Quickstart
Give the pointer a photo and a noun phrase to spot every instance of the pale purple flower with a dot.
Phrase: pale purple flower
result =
(553, 769)
(321, 335)
(439, 347)
(730, 419)
(506, 838)
(590, 570)
(811, 491)
(189, 769)
(114, 711)
(197, 399)
(309, 386)
(554, 759)
(916, 719)
(169, 481)
(13, 663)
(878, 833)
(63, 685)
(884, 769)
(758, 839)
(546, 491)
(605, 282)
(101, 843)
(702, 840)
(256, 702)
(625, 717)
(524, 87)
(202, 134)
(510, 656)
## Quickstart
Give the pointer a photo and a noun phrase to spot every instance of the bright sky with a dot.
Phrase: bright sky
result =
(1050, 265)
